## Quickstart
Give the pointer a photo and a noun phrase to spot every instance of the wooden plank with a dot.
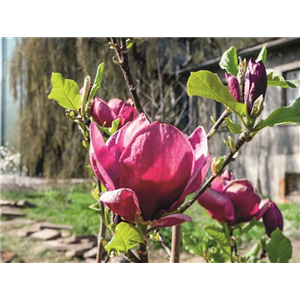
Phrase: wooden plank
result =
(46, 234)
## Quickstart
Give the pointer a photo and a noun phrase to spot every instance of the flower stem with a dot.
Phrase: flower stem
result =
(176, 239)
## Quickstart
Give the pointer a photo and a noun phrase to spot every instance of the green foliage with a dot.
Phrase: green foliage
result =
(97, 82)
(282, 115)
(125, 238)
(233, 127)
(114, 126)
(279, 248)
(220, 162)
(275, 79)
(130, 43)
(229, 61)
(65, 92)
(217, 246)
(209, 85)
(262, 56)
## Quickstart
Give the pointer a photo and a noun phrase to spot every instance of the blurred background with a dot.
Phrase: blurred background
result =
(44, 164)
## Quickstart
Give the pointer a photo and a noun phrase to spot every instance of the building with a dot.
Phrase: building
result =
(272, 159)
(9, 108)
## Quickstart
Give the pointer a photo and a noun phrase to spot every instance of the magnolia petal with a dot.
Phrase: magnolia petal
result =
(172, 220)
(255, 82)
(263, 207)
(234, 86)
(156, 164)
(244, 199)
(115, 105)
(217, 205)
(128, 132)
(122, 202)
(102, 159)
(100, 171)
(198, 141)
(272, 219)
(221, 181)
(127, 113)
(101, 112)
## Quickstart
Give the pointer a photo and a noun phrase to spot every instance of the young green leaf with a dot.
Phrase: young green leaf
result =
(130, 43)
(233, 127)
(114, 126)
(95, 206)
(279, 248)
(229, 61)
(253, 251)
(262, 56)
(65, 92)
(209, 85)
(125, 238)
(282, 115)
(275, 79)
(217, 233)
(97, 82)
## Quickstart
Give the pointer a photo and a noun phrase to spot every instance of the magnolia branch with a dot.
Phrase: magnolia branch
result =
(122, 56)
(241, 141)
(218, 123)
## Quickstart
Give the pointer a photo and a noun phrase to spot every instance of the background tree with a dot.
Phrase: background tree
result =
(49, 143)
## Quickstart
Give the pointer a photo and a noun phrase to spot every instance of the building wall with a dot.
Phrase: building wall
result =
(272, 153)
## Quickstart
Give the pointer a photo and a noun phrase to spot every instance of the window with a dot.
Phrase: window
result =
(291, 94)
(292, 186)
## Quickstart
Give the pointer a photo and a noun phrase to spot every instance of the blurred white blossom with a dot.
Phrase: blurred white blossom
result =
(10, 162)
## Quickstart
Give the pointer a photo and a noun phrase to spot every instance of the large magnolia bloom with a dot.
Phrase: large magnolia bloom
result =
(233, 201)
(149, 169)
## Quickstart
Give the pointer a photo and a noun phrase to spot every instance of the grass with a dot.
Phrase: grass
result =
(61, 206)
(70, 206)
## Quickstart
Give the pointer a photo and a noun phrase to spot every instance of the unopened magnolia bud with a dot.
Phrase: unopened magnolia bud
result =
(213, 166)
(258, 107)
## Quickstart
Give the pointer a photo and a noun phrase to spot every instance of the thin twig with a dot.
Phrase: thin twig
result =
(143, 253)
(122, 56)
(131, 257)
(218, 123)
(163, 244)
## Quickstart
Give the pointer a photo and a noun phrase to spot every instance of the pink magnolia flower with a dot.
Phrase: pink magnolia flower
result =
(233, 201)
(113, 109)
(149, 169)
(105, 113)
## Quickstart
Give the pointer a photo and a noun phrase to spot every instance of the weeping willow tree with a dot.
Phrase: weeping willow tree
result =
(50, 144)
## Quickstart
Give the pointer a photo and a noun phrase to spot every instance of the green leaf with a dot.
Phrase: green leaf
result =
(233, 126)
(130, 43)
(95, 206)
(279, 248)
(220, 162)
(217, 233)
(262, 56)
(275, 79)
(65, 92)
(97, 82)
(229, 61)
(192, 244)
(282, 115)
(125, 238)
(253, 251)
(248, 226)
(114, 126)
(209, 85)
